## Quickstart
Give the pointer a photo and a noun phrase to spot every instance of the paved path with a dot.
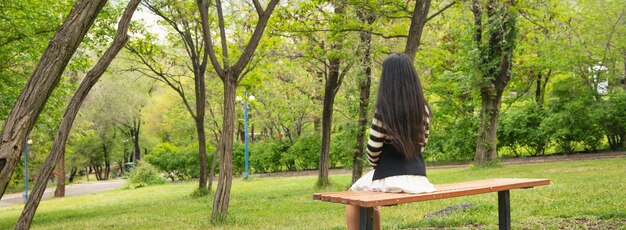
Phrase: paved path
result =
(70, 190)
(510, 161)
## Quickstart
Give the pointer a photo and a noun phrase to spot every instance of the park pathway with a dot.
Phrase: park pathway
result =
(509, 161)
(70, 190)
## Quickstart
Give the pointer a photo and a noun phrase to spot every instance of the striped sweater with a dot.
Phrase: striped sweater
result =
(378, 137)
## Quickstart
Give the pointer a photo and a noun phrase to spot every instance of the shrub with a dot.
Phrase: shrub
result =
(611, 115)
(178, 163)
(570, 121)
(342, 146)
(266, 156)
(521, 128)
(456, 142)
(304, 153)
(143, 175)
(238, 158)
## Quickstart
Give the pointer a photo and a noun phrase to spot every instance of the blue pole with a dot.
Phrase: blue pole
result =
(245, 128)
(26, 173)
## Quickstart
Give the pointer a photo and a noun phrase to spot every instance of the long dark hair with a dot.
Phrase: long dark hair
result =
(401, 105)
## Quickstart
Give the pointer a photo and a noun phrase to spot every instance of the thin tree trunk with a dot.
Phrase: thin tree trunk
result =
(107, 163)
(230, 76)
(45, 78)
(70, 114)
(73, 174)
(212, 170)
(135, 133)
(202, 151)
(418, 20)
(222, 195)
(97, 171)
(60, 172)
(331, 87)
(330, 91)
(364, 97)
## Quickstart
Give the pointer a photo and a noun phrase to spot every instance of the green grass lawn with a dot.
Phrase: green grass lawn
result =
(583, 194)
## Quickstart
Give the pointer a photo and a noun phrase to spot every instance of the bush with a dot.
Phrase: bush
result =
(611, 115)
(456, 142)
(266, 156)
(178, 163)
(342, 146)
(571, 121)
(521, 128)
(238, 158)
(143, 175)
(304, 153)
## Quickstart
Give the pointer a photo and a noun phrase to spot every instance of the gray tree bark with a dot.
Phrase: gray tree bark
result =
(230, 75)
(45, 78)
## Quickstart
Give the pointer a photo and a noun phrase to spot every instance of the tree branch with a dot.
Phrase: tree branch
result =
(254, 40)
(220, 19)
(258, 7)
(206, 34)
(440, 11)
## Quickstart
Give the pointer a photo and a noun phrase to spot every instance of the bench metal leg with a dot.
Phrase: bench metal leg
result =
(504, 210)
(366, 218)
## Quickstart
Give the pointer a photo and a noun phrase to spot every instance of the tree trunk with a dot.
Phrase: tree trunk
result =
(107, 163)
(70, 114)
(364, 98)
(230, 76)
(97, 172)
(135, 134)
(486, 141)
(333, 82)
(72, 175)
(212, 170)
(330, 90)
(222, 195)
(202, 152)
(418, 20)
(60, 172)
(495, 64)
(45, 78)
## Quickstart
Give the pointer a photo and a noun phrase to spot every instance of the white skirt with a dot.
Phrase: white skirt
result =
(402, 183)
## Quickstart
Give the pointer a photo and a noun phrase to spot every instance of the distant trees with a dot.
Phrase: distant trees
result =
(170, 68)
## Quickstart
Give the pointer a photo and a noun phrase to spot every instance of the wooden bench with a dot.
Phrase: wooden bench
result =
(368, 200)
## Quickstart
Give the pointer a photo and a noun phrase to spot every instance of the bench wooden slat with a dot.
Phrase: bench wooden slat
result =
(373, 199)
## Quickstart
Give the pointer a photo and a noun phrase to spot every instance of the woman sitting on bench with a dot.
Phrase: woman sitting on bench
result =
(397, 137)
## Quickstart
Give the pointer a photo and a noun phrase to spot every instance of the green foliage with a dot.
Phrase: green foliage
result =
(266, 156)
(178, 163)
(571, 121)
(144, 175)
(611, 116)
(304, 153)
(521, 128)
(342, 146)
(456, 142)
